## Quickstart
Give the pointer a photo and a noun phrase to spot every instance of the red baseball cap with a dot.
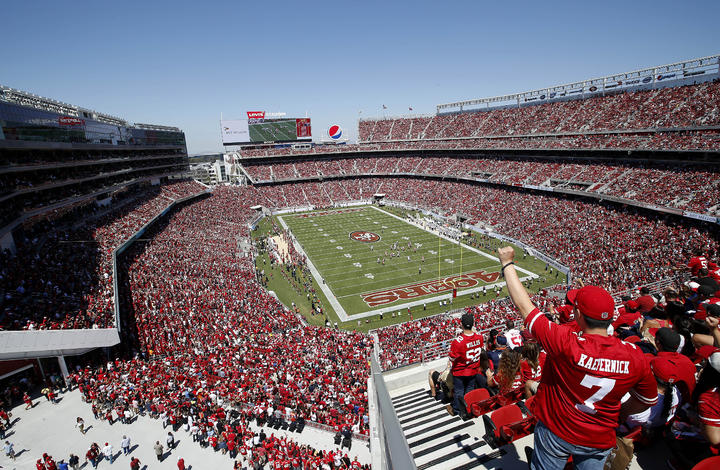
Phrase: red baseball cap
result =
(595, 302)
(665, 369)
(571, 296)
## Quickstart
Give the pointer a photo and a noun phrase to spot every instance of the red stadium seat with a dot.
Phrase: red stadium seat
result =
(508, 424)
(505, 416)
(476, 396)
(480, 407)
(711, 463)
(528, 402)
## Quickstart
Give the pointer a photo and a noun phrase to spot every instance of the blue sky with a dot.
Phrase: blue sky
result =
(184, 63)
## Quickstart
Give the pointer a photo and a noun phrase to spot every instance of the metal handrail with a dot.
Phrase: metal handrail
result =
(394, 445)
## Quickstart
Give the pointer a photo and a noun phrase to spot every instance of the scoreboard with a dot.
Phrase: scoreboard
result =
(257, 129)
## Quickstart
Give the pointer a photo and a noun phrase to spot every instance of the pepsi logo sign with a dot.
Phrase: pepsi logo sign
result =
(335, 132)
(366, 237)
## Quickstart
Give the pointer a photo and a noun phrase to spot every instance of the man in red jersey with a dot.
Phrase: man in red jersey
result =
(465, 353)
(586, 374)
(646, 301)
(668, 342)
(564, 312)
(697, 262)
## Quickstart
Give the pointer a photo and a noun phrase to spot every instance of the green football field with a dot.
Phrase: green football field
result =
(273, 131)
(415, 266)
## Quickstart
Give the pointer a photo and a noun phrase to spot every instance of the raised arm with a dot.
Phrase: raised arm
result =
(712, 322)
(517, 291)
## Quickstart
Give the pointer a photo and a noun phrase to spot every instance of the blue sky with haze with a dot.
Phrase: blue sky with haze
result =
(184, 63)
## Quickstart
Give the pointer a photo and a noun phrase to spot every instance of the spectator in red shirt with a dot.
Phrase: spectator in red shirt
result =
(509, 375)
(686, 453)
(586, 375)
(646, 302)
(565, 312)
(465, 353)
(697, 262)
(668, 343)
(531, 367)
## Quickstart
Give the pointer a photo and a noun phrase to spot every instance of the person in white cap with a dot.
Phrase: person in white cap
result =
(108, 452)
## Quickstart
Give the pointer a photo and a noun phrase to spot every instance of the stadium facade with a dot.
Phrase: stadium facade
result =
(59, 160)
(54, 155)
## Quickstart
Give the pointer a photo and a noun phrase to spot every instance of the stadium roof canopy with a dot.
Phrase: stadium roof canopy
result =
(688, 69)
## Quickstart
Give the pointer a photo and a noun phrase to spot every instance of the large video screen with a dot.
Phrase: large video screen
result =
(243, 131)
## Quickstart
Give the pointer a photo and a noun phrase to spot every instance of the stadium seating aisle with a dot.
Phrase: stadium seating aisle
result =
(440, 441)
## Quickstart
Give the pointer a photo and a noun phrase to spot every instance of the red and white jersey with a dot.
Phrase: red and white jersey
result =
(566, 313)
(685, 371)
(516, 383)
(709, 409)
(696, 264)
(514, 338)
(701, 312)
(528, 373)
(583, 380)
(714, 271)
(646, 302)
(465, 353)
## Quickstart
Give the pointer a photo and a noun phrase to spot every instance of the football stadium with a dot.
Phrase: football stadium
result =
(528, 280)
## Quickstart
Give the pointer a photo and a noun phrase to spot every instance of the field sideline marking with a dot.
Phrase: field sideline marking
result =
(339, 310)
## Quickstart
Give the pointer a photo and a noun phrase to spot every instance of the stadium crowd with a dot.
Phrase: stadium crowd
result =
(673, 338)
(38, 293)
(204, 331)
(694, 187)
(208, 314)
(674, 107)
(429, 338)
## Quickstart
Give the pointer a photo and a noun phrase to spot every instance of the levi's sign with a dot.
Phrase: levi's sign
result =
(256, 114)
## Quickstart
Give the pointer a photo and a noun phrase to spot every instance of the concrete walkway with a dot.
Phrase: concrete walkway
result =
(51, 428)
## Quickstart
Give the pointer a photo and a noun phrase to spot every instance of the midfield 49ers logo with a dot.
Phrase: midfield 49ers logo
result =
(362, 236)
